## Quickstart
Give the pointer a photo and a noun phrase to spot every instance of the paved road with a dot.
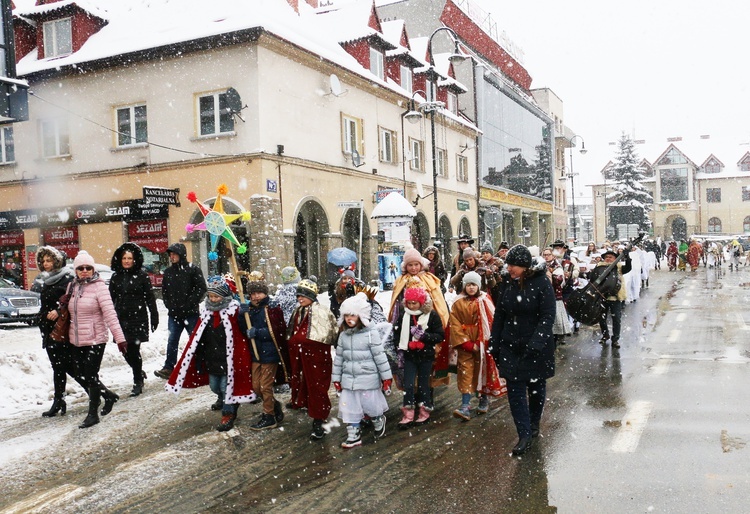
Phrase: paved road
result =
(659, 425)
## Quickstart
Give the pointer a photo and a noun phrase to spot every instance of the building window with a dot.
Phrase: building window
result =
(132, 127)
(417, 155)
(376, 62)
(746, 193)
(441, 162)
(673, 156)
(387, 142)
(6, 145)
(351, 135)
(674, 185)
(462, 168)
(712, 167)
(745, 164)
(714, 226)
(746, 226)
(713, 195)
(55, 138)
(406, 78)
(452, 103)
(215, 115)
(58, 38)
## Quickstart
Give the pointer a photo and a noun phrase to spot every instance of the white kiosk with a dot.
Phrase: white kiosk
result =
(394, 215)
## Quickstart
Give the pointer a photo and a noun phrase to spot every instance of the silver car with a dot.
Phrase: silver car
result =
(105, 272)
(17, 305)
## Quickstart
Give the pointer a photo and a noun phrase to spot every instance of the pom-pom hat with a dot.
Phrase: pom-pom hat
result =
(415, 294)
(290, 275)
(217, 285)
(356, 305)
(83, 258)
(308, 288)
(519, 255)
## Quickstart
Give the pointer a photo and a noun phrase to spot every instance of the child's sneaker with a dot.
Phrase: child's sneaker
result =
(484, 405)
(378, 424)
(353, 437)
(463, 412)
(318, 432)
(227, 422)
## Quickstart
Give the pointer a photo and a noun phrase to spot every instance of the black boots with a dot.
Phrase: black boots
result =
(109, 401)
(58, 405)
(278, 412)
(92, 418)
(265, 421)
(318, 432)
(137, 389)
(523, 445)
(218, 404)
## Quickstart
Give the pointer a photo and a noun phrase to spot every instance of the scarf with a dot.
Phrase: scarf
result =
(218, 306)
(52, 277)
(424, 317)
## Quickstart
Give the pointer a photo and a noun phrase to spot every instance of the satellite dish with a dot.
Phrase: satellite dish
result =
(420, 189)
(357, 159)
(234, 102)
(335, 85)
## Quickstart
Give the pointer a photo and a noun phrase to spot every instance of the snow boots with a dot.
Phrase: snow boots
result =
(58, 405)
(408, 417)
(423, 416)
(353, 437)
(227, 422)
(109, 401)
(265, 421)
(318, 432)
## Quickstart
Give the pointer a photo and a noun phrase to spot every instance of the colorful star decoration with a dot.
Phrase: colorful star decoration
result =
(216, 222)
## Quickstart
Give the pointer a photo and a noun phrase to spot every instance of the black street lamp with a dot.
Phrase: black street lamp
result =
(571, 175)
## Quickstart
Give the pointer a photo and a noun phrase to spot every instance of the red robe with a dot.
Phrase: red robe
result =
(239, 384)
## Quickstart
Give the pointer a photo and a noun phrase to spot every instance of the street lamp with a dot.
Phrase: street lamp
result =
(433, 105)
(571, 175)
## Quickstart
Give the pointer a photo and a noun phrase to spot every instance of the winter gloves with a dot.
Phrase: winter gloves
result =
(417, 332)
(251, 333)
(468, 346)
(416, 345)
(123, 347)
(387, 386)
(337, 386)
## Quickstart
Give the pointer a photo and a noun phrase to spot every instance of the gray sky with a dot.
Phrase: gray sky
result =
(652, 68)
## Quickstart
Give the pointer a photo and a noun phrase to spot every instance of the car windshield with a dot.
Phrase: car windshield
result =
(4, 283)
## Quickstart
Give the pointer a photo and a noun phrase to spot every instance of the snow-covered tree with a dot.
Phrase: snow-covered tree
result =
(629, 202)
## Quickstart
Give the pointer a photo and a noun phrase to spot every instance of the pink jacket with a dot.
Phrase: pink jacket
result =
(91, 313)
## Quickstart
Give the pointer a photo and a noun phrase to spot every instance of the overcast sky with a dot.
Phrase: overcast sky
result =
(652, 68)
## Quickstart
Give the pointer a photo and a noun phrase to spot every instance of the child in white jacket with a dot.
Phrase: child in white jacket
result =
(360, 370)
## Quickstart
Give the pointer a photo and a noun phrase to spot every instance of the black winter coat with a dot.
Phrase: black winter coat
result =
(522, 342)
(50, 300)
(132, 295)
(183, 287)
(432, 336)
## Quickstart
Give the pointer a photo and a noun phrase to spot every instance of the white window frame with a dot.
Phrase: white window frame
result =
(462, 168)
(452, 102)
(352, 134)
(217, 114)
(387, 141)
(407, 79)
(441, 162)
(7, 141)
(416, 162)
(57, 129)
(134, 137)
(50, 37)
(377, 63)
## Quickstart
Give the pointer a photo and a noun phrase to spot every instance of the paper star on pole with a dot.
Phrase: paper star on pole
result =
(216, 222)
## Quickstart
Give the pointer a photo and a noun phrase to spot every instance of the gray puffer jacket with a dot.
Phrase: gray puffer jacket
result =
(360, 362)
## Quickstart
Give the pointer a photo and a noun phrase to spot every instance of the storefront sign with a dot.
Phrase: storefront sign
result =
(380, 194)
(462, 205)
(11, 238)
(64, 239)
(125, 210)
(31, 257)
(161, 195)
(149, 234)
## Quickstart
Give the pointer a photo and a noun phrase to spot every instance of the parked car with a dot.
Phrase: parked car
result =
(17, 305)
(105, 272)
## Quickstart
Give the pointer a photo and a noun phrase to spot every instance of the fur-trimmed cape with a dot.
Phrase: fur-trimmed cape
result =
(239, 384)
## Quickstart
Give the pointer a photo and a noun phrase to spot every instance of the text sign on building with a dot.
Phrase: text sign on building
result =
(462, 205)
(161, 195)
(380, 194)
(271, 186)
(349, 205)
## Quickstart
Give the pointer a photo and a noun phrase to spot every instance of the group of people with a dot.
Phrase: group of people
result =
(712, 253)
(497, 336)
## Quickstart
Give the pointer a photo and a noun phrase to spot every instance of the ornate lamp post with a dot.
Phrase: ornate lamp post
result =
(571, 175)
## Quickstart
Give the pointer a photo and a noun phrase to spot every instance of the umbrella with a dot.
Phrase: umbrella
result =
(342, 256)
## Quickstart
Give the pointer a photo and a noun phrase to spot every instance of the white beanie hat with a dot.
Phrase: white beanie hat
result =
(357, 305)
(472, 277)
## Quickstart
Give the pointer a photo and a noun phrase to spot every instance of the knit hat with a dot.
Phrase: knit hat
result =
(469, 253)
(83, 258)
(348, 273)
(290, 275)
(519, 255)
(356, 305)
(308, 288)
(217, 285)
(487, 247)
(503, 245)
(415, 294)
(472, 277)
(58, 258)
(412, 255)
(257, 283)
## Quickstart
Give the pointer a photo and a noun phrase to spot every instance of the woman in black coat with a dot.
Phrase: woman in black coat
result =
(55, 283)
(522, 341)
(132, 295)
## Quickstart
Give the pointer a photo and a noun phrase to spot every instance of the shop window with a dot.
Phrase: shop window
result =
(55, 138)
(7, 148)
(58, 38)
(215, 117)
(713, 195)
(132, 127)
(714, 226)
